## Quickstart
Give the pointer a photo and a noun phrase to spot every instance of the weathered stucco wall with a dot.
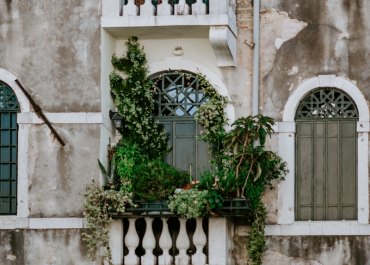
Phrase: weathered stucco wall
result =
(47, 247)
(304, 39)
(53, 49)
(308, 250)
(58, 176)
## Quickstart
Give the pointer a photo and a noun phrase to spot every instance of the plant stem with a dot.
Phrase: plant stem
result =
(246, 179)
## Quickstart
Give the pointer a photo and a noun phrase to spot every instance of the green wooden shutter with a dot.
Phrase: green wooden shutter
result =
(326, 170)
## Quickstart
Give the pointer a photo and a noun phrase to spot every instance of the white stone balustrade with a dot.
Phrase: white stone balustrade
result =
(114, 8)
(166, 238)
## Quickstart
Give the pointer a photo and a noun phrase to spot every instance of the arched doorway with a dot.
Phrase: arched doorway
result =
(178, 96)
(326, 156)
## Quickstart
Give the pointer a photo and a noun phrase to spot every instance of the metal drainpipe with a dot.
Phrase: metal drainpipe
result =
(256, 58)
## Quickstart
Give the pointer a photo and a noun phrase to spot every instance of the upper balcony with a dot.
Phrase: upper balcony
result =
(154, 19)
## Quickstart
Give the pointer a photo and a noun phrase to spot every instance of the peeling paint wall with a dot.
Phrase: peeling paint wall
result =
(46, 247)
(53, 49)
(58, 176)
(326, 37)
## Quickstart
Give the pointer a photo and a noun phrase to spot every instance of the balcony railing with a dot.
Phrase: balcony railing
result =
(170, 240)
(145, 8)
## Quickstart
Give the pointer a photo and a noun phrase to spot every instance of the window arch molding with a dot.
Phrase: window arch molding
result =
(286, 200)
(195, 67)
(22, 160)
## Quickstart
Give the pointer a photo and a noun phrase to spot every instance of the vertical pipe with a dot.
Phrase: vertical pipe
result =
(256, 52)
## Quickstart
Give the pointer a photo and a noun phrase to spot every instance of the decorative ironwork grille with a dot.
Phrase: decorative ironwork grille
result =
(177, 94)
(8, 100)
(9, 107)
(327, 103)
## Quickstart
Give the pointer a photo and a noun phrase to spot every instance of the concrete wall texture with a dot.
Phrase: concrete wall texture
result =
(53, 48)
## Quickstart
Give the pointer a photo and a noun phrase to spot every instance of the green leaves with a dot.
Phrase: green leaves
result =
(191, 203)
(97, 204)
(134, 101)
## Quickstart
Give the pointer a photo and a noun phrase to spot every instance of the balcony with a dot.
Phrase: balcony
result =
(171, 240)
(216, 21)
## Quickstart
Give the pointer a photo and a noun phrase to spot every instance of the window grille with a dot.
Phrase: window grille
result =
(177, 94)
(9, 107)
(327, 103)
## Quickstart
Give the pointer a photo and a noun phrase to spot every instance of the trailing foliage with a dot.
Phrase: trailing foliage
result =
(257, 241)
(133, 98)
(97, 205)
(211, 115)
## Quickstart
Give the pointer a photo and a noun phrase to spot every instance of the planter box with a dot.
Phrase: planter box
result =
(237, 209)
(154, 209)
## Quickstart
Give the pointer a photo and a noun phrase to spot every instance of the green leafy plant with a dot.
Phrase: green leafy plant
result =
(97, 205)
(157, 180)
(257, 241)
(133, 97)
(191, 203)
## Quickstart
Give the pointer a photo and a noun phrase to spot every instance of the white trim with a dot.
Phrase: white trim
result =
(62, 117)
(317, 228)
(286, 150)
(176, 63)
(14, 222)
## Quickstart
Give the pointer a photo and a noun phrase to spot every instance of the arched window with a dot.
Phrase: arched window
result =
(9, 107)
(326, 156)
(177, 99)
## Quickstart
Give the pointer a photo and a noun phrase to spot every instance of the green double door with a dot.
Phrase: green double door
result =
(188, 152)
(326, 175)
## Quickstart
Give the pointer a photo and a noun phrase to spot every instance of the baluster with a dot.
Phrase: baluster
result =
(199, 8)
(199, 240)
(182, 243)
(116, 241)
(182, 8)
(165, 243)
(132, 241)
(130, 9)
(164, 9)
(149, 244)
(147, 9)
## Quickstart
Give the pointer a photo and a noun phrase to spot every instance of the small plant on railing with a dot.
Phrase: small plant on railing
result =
(191, 203)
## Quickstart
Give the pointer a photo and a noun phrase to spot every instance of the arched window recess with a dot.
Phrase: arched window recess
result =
(9, 107)
(178, 96)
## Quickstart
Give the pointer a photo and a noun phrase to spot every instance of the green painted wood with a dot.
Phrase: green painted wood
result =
(326, 177)
(187, 151)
